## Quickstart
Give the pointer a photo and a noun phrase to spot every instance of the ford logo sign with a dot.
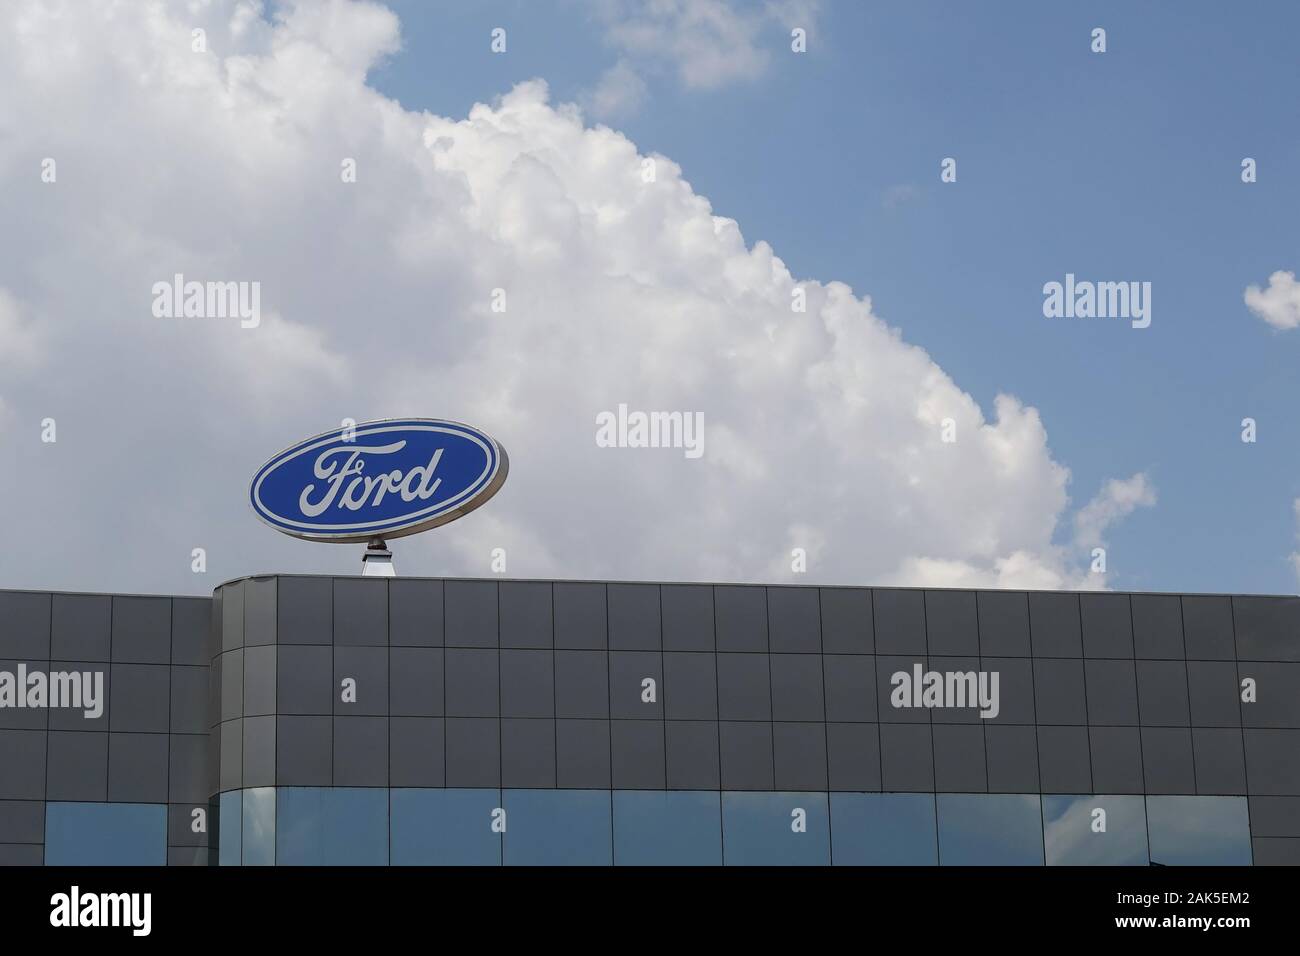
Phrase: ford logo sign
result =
(381, 479)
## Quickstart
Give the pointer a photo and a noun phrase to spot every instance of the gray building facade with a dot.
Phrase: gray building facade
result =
(122, 785)
(298, 720)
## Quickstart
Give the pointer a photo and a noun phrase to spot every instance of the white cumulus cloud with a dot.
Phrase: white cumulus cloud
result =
(19, 339)
(706, 44)
(822, 427)
(1117, 499)
(1279, 304)
(619, 91)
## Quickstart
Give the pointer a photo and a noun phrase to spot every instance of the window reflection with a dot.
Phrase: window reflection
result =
(883, 829)
(667, 828)
(338, 826)
(1199, 831)
(315, 826)
(230, 827)
(989, 829)
(1095, 831)
(105, 834)
(259, 827)
(444, 827)
(557, 828)
(775, 829)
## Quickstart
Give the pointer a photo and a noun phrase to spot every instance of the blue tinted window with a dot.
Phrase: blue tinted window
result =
(557, 828)
(1199, 831)
(259, 827)
(989, 829)
(883, 829)
(105, 834)
(444, 827)
(766, 829)
(1095, 831)
(331, 826)
(230, 846)
(667, 828)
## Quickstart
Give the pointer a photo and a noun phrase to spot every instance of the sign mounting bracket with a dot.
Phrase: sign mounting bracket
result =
(378, 560)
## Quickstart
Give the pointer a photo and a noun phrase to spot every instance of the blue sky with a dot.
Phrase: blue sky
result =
(1116, 166)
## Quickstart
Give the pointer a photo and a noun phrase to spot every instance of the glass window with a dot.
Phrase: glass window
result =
(331, 826)
(667, 828)
(883, 829)
(259, 826)
(775, 829)
(557, 828)
(231, 848)
(444, 827)
(1198, 831)
(1095, 831)
(990, 829)
(105, 834)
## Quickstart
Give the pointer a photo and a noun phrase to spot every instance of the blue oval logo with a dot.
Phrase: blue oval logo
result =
(381, 479)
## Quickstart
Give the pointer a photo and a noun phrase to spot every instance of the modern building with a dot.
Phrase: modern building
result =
(352, 720)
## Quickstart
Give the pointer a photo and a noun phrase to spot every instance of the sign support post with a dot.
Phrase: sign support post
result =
(378, 560)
